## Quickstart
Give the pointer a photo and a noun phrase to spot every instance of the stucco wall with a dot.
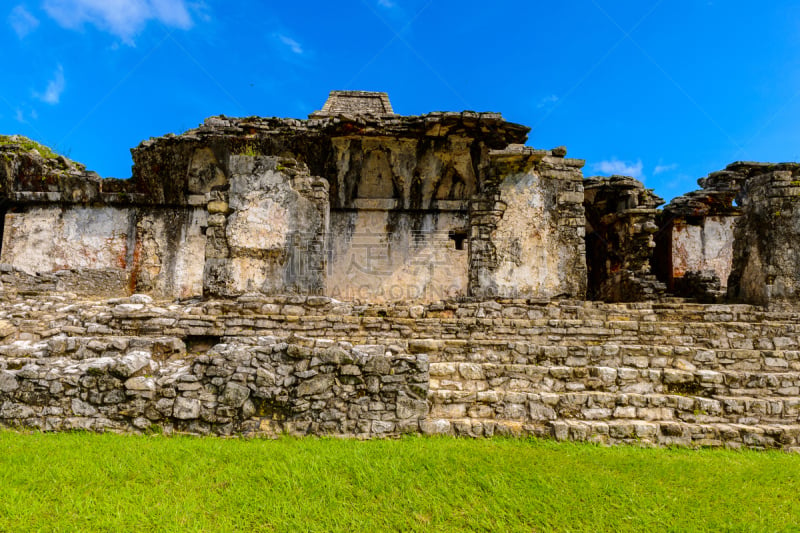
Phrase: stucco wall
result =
(46, 239)
(169, 253)
(272, 226)
(706, 246)
(381, 256)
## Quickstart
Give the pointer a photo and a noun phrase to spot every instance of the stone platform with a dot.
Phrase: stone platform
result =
(655, 373)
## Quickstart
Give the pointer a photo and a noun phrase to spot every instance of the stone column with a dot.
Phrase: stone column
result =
(766, 254)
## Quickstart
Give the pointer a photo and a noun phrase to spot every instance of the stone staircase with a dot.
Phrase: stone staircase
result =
(665, 373)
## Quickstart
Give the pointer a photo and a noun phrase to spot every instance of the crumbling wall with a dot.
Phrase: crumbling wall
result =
(50, 238)
(620, 224)
(526, 237)
(694, 246)
(766, 256)
(270, 229)
(355, 202)
(242, 386)
(169, 252)
(399, 217)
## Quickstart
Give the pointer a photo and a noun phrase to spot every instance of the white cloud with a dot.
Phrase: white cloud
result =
(123, 18)
(660, 169)
(52, 94)
(547, 101)
(22, 21)
(293, 45)
(20, 115)
(615, 166)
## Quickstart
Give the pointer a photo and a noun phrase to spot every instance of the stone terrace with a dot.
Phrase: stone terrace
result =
(653, 373)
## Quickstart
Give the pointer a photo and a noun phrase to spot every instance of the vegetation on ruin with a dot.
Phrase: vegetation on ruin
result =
(27, 145)
(250, 151)
(80, 481)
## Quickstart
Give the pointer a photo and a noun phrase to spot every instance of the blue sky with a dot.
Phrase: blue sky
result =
(665, 90)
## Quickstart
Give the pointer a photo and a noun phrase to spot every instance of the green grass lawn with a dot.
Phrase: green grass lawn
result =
(88, 482)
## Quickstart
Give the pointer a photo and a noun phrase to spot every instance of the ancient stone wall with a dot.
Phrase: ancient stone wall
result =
(694, 247)
(355, 203)
(258, 385)
(766, 255)
(269, 230)
(396, 205)
(669, 373)
(526, 228)
(620, 224)
(366, 274)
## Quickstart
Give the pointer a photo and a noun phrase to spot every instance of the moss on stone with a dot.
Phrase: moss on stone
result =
(27, 145)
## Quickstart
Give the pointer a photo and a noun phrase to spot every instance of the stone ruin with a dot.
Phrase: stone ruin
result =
(354, 203)
(364, 273)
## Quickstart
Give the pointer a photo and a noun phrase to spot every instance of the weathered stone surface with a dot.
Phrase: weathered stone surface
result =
(527, 228)
(6, 329)
(696, 235)
(381, 275)
(274, 236)
(169, 252)
(356, 203)
(46, 239)
(186, 408)
(131, 363)
(8, 382)
(81, 408)
(234, 394)
(620, 223)
(315, 385)
(766, 250)
(236, 387)
(141, 383)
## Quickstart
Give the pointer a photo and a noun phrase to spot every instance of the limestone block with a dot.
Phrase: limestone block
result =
(140, 383)
(131, 363)
(15, 411)
(8, 382)
(315, 385)
(437, 426)
(234, 394)
(81, 408)
(186, 408)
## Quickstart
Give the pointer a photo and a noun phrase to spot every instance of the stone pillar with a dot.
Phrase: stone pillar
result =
(267, 232)
(620, 223)
(766, 254)
(527, 226)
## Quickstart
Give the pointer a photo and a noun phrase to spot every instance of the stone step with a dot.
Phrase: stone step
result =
(640, 356)
(83, 347)
(599, 324)
(523, 378)
(537, 406)
(637, 432)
